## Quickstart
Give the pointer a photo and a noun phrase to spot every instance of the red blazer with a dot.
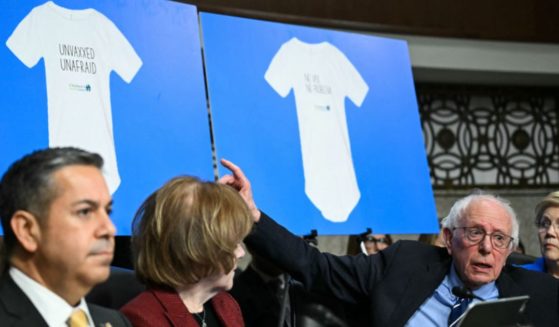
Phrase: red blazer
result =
(159, 307)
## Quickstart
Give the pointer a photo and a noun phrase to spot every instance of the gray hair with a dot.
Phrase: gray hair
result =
(461, 206)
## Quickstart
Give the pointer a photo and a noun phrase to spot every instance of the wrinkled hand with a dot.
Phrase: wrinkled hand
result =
(238, 181)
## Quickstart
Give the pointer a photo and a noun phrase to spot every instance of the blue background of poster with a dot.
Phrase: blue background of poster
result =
(258, 129)
(160, 119)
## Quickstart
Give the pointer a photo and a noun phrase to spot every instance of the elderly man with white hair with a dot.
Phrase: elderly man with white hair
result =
(410, 283)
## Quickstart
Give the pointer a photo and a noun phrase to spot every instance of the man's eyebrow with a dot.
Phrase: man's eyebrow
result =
(496, 230)
(86, 201)
(92, 203)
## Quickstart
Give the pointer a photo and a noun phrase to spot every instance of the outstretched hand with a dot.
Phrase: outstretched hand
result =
(238, 181)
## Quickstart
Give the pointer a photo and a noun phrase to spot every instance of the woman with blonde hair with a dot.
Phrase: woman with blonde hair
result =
(547, 222)
(186, 243)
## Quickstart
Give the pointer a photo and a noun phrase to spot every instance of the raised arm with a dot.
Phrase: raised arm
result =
(347, 278)
(238, 181)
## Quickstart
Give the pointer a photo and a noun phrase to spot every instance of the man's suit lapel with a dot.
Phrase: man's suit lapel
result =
(418, 288)
(507, 286)
(17, 307)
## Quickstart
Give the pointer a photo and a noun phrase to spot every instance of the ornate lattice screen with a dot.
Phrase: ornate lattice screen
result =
(490, 137)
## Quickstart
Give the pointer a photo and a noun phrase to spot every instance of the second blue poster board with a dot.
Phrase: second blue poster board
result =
(324, 123)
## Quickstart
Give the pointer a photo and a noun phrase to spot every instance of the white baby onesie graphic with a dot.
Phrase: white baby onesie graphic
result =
(80, 48)
(321, 77)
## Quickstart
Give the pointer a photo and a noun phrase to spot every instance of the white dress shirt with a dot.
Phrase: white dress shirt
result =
(54, 309)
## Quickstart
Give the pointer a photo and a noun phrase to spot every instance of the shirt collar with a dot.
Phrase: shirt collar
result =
(444, 292)
(486, 292)
(54, 309)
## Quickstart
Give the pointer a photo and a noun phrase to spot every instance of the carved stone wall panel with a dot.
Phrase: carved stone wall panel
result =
(490, 137)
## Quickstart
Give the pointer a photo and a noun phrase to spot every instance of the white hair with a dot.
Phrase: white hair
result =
(461, 206)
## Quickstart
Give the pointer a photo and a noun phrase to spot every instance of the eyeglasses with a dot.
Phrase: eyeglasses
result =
(545, 224)
(477, 235)
(370, 238)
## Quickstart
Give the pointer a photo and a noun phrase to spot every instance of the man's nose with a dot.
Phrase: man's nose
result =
(485, 246)
(106, 227)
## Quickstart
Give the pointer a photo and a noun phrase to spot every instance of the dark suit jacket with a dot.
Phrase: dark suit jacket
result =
(17, 310)
(159, 307)
(395, 282)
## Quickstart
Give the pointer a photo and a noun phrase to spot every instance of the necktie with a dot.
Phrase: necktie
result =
(458, 309)
(77, 319)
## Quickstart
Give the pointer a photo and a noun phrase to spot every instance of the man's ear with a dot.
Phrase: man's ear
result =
(26, 230)
(447, 238)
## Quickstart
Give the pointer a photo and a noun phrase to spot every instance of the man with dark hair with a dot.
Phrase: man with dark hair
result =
(59, 240)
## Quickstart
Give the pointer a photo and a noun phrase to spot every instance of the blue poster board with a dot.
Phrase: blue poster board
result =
(154, 95)
(324, 123)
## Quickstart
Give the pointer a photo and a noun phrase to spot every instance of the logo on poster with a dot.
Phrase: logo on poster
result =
(78, 87)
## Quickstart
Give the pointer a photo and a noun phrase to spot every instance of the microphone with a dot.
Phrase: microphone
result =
(465, 293)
